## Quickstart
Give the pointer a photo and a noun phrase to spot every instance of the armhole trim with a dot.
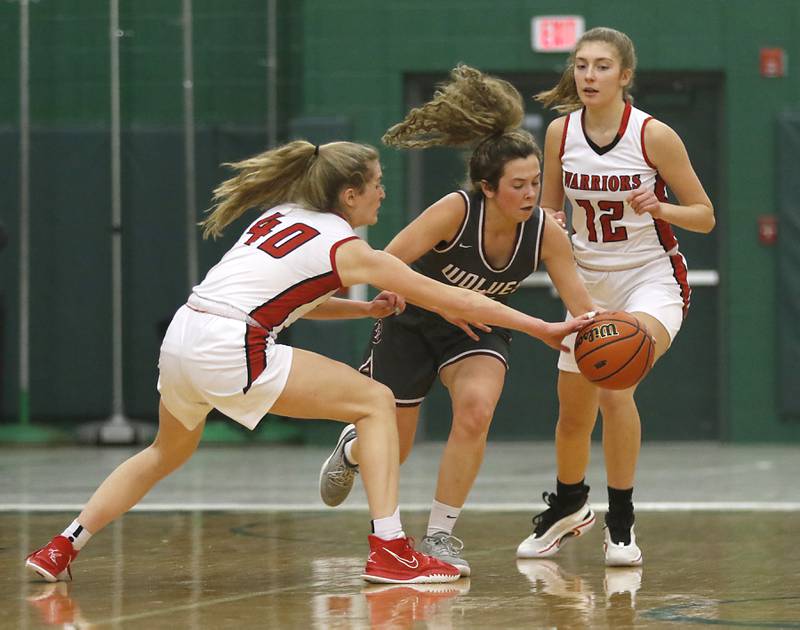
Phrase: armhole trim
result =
(334, 247)
(644, 150)
(460, 232)
(564, 137)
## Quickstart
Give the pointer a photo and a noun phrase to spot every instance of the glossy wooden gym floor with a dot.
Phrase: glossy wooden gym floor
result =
(238, 539)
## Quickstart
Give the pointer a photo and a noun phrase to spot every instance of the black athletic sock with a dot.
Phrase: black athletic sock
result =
(620, 500)
(571, 495)
(620, 514)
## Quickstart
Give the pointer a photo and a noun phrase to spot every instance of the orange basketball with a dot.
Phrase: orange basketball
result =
(616, 351)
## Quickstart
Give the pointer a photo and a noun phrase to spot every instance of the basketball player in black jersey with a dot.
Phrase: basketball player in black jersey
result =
(487, 239)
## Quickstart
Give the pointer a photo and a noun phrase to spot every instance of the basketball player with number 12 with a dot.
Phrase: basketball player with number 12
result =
(614, 163)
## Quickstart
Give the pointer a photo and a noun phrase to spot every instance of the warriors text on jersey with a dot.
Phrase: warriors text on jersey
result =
(463, 262)
(607, 233)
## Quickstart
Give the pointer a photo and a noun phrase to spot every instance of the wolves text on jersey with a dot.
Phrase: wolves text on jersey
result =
(461, 278)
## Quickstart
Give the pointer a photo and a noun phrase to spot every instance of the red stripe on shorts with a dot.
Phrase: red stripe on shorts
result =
(681, 274)
(273, 313)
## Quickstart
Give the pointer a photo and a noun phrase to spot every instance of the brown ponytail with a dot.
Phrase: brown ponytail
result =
(473, 110)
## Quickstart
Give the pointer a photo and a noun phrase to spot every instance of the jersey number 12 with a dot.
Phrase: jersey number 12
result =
(612, 211)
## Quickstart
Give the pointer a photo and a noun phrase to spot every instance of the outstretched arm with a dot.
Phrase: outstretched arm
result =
(382, 305)
(358, 263)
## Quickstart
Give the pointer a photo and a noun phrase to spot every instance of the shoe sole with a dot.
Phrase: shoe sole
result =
(464, 570)
(342, 435)
(41, 572)
(630, 563)
(634, 563)
(459, 587)
(554, 547)
(419, 579)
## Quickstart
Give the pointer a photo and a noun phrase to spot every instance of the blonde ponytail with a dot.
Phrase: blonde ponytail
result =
(298, 172)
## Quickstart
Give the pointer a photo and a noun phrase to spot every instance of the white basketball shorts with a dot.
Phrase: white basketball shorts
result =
(658, 288)
(203, 366)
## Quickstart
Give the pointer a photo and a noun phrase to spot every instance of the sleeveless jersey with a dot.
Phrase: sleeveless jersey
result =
(607, 233)
(463, 263)
(281, 267)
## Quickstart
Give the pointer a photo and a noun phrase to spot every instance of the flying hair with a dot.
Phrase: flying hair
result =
(464, 110)
(470, 110)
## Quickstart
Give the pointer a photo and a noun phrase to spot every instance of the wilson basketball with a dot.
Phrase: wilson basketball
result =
(616, 351)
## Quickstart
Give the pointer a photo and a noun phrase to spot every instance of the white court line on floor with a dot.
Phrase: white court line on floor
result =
(643, 506)
(204, 603)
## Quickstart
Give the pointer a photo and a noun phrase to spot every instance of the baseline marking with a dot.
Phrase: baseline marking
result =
(641, 506)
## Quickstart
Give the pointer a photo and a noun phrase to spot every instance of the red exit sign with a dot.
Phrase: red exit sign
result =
(556, 33)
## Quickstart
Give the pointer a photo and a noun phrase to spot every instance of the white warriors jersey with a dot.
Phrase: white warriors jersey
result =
(607, 233)
(281, 267)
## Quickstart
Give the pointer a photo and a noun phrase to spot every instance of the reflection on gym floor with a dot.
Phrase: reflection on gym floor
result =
(202, 570)
(239, 538)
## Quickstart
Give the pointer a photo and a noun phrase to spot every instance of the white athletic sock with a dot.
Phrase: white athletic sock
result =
(77, 534)
(443, 518)
(389, 527)
(348, 453)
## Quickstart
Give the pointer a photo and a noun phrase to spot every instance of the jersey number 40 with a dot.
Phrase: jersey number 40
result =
(283, 241)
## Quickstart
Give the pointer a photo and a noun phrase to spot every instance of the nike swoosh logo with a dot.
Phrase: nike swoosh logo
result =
(464, 246)
(448, 516)
(411, 564)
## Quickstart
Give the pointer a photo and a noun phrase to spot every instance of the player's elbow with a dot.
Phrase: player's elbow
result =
(710, 221)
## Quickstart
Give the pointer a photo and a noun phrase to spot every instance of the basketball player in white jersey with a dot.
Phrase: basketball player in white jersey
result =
(220, 349)
(613, 162)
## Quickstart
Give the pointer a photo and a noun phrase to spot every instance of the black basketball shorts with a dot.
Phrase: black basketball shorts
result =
(407, 351)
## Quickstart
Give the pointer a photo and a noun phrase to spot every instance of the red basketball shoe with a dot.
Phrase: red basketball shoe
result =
(396, 562)
(52, 561)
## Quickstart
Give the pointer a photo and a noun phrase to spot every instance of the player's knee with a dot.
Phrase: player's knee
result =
(471, 420)
(380, 400)
(616, 402)
(574, 425)
(169, 455)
